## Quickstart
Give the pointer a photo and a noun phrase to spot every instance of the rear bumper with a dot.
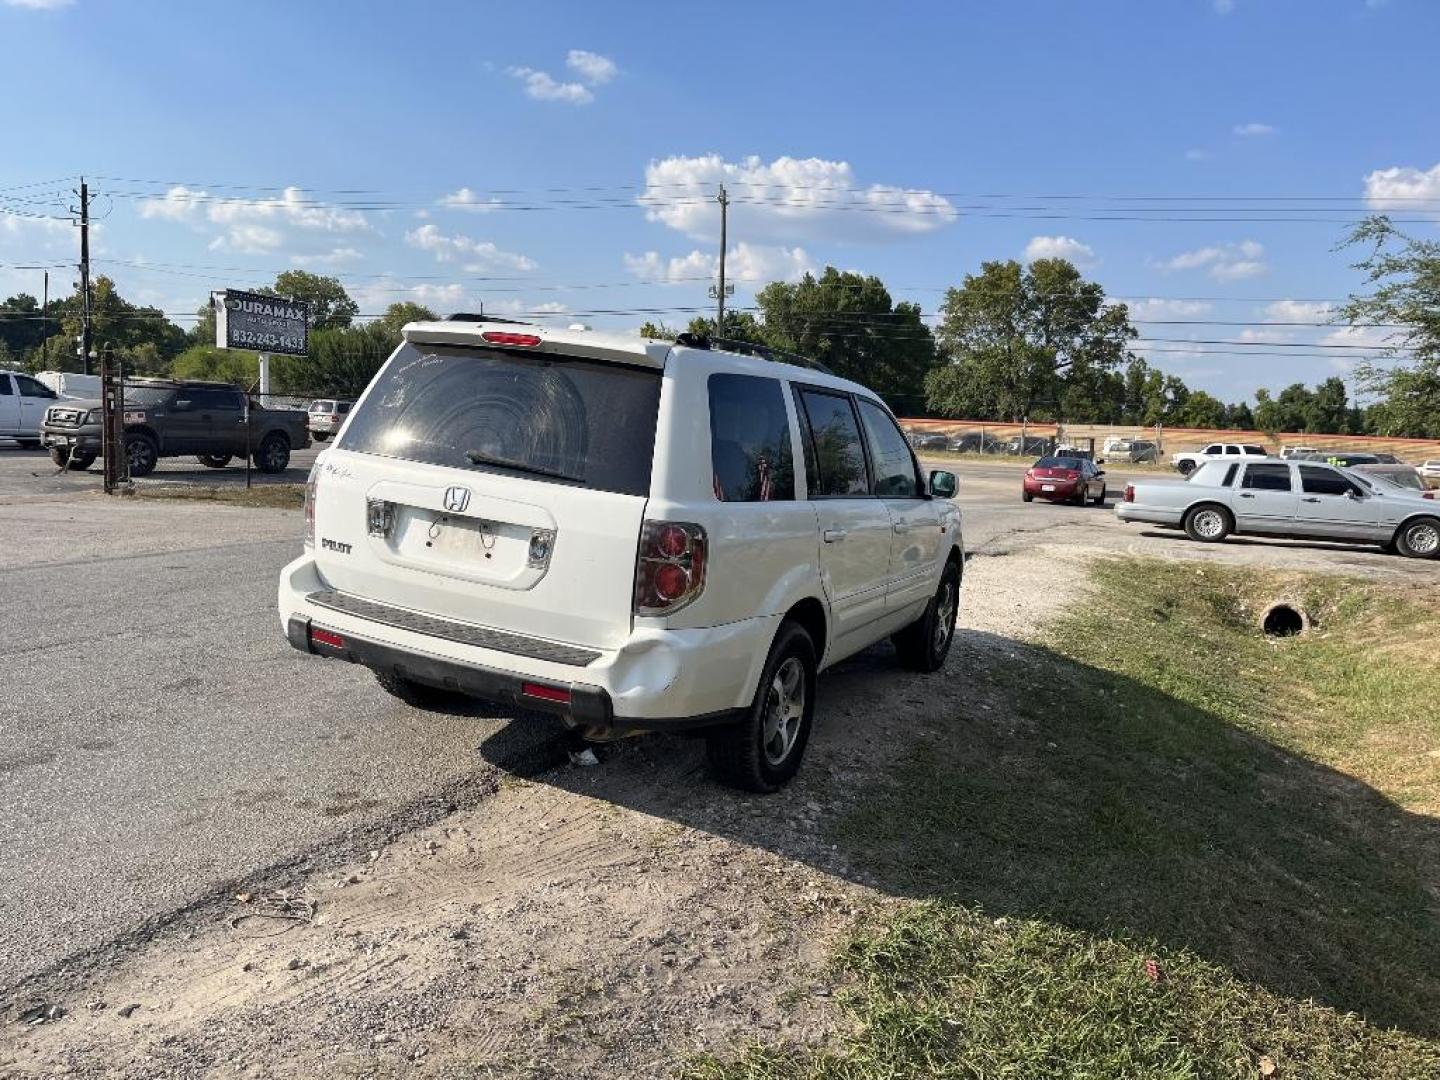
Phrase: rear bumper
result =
(656, 680)
(1062, 489)
(1149, 514)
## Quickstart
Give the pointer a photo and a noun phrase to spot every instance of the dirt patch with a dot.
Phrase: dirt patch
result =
(602, 921)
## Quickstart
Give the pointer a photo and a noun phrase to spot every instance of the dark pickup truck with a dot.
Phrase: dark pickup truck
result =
(171, 418)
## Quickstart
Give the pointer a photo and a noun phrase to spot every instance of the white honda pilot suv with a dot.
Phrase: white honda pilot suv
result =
(634, 535)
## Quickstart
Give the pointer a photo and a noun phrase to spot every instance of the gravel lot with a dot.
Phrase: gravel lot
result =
(164, 749)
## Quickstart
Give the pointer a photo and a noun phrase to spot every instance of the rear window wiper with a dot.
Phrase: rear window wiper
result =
(479, 457)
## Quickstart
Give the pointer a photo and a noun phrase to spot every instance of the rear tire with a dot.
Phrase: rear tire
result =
(319, 436)
(1419, 538)
(213, 461)
(925, 643)
(415, 694)
(763, 750)
(1208, 523)
(273, 453)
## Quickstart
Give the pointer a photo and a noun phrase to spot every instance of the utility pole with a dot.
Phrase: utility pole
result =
(44, 327)
(85, 277)
(724, 201)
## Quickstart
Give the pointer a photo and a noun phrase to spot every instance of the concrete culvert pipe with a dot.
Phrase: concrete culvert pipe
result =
(1284, 619)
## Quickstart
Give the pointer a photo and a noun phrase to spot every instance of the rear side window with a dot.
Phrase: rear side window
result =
(1267, 478)
(834, 455)
(1317, 481)
(542, 416)
(5, 390)
(1258, 451)
(1232, 450)
(894, 465)
(750, 450)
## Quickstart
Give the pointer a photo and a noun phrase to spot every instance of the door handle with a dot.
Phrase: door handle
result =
(900, 527)
(1309, 500)
(1246, 495)
(833, 536)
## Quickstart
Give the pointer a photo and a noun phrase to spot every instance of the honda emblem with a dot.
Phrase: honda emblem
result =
(457, 499)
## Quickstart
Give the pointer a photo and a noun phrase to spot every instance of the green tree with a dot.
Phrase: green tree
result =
(1329, 408)
(739, 326)
(656, 331)
(1239, 417)
(1402, 277)
(221, 365)
(405, 311)
(1017, 335)
(330, 305)
(850, 323)
(1202, 410)
(341, 361)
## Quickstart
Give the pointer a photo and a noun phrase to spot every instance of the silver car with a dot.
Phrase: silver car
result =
(1298, 499)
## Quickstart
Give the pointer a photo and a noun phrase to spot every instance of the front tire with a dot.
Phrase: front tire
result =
(763, 750)
(1419, 539)
(1100, 499)
(213, 461)
(1186, 467)
(1208, 523)
(142, 452)
(925, 643)
(273, 454)
(1025, 496)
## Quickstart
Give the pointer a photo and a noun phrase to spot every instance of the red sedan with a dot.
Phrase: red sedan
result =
(1064, 479)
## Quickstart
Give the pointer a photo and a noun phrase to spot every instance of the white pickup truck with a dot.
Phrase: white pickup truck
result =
(1188, 461)
(1305, 500)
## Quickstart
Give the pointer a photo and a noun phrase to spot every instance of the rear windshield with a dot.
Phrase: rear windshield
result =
(545, 417)
(1057, 463)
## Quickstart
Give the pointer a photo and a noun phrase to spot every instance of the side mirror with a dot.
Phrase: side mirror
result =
(1099, 472)
(943, 484)
(1099, 461)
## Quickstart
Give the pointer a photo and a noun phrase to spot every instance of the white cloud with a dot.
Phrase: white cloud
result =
(465, 199)
(249, 240)
(787, 199)
(1377, 338)
(39, 5)
(745, 262)
(1311, 311)
(520, 307)
(1060, 247)
(1161, 308)
(542, 87)
(1252, 129)
(1197, 154)
(1399, 188)
(591, 67)
(483, 255)
(1223, 262)
(1224, 7)
(334, 257)
(252, 226)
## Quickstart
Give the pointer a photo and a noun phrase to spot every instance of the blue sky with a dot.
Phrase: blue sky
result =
(558, 158)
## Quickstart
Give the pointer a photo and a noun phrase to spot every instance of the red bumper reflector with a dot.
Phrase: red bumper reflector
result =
(545, 693)
(327, 637)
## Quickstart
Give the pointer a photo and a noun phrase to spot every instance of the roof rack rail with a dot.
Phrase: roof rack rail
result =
(765, 352)
(468, 316)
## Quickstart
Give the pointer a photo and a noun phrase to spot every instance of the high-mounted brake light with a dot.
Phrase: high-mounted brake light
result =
(502, 337)
(670, 571)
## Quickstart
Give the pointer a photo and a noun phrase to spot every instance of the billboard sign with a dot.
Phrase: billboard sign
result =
(267, 324)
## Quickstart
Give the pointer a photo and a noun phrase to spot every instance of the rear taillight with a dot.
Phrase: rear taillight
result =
(310, 507)
(670, 571)
(1129, 492)
(1428, 495)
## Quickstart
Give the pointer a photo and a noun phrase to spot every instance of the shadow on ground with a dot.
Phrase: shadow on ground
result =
(1025, 784)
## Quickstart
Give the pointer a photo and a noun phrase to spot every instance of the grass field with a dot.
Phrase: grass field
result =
(1173, 849)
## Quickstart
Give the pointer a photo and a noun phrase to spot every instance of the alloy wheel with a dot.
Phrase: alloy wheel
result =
(784, 711)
